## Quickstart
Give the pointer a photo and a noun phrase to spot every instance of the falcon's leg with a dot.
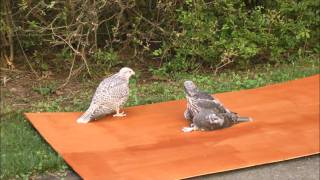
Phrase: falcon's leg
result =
(118, 114)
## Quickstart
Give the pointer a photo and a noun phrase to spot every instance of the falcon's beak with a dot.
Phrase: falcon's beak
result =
(187, 91)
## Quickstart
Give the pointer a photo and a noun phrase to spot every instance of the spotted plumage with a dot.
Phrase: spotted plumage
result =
(111, 94)
(194, 96)
(205, 112)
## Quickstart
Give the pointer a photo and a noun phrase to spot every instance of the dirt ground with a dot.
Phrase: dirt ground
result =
(20, 89)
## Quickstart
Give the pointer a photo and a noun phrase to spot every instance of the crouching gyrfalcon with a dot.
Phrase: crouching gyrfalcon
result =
(111, 94)
(206, 112)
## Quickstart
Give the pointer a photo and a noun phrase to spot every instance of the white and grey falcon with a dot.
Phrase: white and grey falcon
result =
(206, 112)
(111, 94)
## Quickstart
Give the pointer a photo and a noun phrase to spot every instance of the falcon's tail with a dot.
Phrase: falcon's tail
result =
(85, 118)
(244, 119)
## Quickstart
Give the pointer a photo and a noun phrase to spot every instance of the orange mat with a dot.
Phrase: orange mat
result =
(149, 143)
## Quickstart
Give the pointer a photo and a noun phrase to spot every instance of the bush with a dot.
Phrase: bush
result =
(228, 32)
(182, 35)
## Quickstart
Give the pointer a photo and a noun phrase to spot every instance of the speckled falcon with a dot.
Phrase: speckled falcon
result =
(111, 94)
(205, 112)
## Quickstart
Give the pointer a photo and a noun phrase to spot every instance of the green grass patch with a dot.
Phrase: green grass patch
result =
(25, 153)
(227, 81)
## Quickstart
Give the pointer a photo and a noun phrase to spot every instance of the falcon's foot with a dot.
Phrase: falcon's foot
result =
(83, 121)
(118, 114)
(187, 129)
(190, 129)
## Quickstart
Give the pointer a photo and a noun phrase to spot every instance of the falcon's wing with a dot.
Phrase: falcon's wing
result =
(214, 105)
(118, 94)
(208, 120)
(113, 87)
(111, 93)
(204, 95)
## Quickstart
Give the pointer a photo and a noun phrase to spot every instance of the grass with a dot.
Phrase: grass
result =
(227, 81)
(24, 153)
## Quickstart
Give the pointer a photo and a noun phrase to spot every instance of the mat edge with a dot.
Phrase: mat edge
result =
(250, 166)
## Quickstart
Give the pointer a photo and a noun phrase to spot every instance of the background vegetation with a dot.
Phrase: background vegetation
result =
(161, 36)
(55, 52)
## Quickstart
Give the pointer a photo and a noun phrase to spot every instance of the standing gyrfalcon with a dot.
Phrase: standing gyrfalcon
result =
(111, 94)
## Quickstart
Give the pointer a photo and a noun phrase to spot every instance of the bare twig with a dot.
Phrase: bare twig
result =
(27, 59)
(5, 79)
(219, 66)
(13, 70)
(151, 23)
(33, 8)
(71, 69)
(68, 43)
(227, 58)
(76, 51)
(9, 32)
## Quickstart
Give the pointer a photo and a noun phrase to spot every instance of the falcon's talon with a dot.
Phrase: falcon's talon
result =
(122, 114)
(119, 114)
(187, 129)
(80, 121)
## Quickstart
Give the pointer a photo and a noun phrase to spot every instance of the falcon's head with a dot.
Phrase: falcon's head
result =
(190, 88)
(126, 72)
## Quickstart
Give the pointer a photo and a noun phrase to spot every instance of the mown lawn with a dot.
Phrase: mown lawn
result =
(24, 153)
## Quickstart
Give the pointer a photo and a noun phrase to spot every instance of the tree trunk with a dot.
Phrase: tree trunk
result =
(7, 52)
